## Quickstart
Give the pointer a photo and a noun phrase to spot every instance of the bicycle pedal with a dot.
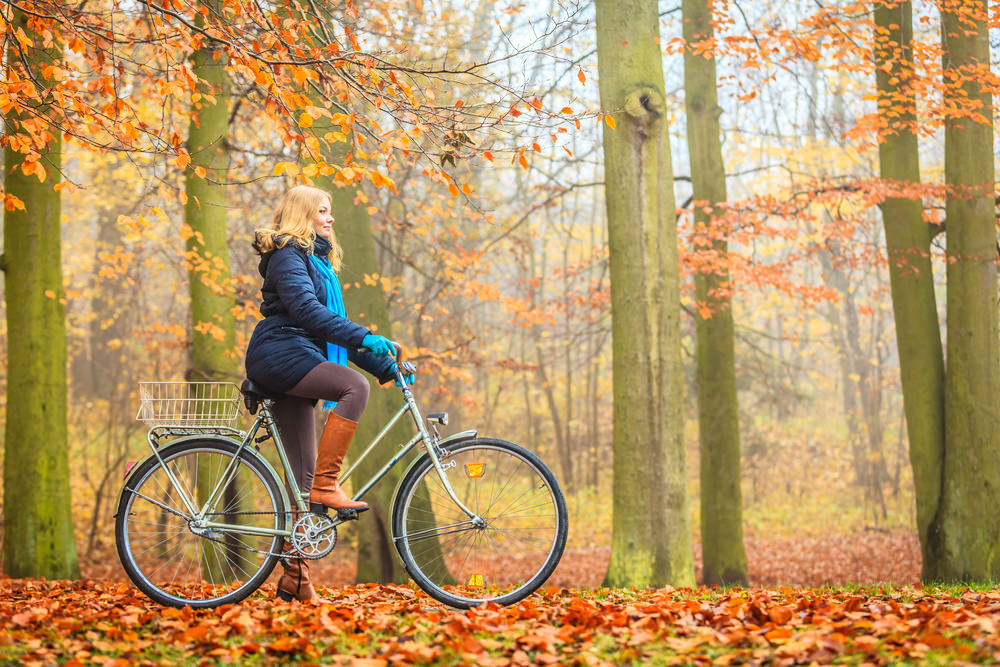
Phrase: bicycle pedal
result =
(342, 514)
(349, 514)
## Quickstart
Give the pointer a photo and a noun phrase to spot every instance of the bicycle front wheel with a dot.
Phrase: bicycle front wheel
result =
(503, 553)
(178, 558)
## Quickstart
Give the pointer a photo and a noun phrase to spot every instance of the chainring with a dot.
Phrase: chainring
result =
(314, 536)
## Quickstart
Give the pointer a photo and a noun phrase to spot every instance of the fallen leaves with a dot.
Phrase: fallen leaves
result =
(49, 622)
(570, 621)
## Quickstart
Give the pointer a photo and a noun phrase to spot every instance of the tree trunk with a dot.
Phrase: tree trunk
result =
(38, 520)
(651, 533)
(724, 559)
(366, 305)
(970, 550)
(563, 454)
(213, 344)
(213, 325)
(103, 370)
(860, 386)
(908, 244)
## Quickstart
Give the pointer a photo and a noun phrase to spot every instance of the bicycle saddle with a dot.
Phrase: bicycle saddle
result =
(253, 394)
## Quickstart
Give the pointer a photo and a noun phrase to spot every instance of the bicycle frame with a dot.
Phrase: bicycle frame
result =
(265, 419)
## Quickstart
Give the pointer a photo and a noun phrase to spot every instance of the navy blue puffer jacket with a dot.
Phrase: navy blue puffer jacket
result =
(292, 337)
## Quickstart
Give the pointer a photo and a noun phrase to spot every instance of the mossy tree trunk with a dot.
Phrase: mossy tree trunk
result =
(213, 347)
(38, 521)
(724, 559)
(970, 531)
(651, 535)
(213, 333)
(908, 242)
(365, 303)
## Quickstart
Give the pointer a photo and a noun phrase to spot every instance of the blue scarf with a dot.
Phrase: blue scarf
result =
(335, 302)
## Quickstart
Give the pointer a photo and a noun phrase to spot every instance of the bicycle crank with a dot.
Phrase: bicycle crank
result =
(314, 536)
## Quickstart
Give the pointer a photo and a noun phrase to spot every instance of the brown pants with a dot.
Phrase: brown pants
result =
(296, 416)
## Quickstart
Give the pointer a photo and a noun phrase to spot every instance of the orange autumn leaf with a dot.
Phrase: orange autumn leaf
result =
(12, 202)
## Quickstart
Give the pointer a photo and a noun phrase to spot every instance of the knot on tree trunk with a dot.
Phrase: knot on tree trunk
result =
(645, 104)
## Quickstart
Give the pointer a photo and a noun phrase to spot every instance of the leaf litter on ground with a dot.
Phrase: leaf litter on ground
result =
(90, 622)
(107, 622)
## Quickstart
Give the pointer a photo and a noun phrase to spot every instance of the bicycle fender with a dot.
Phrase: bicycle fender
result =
(461, 435)
(250, 451)
(451, 439)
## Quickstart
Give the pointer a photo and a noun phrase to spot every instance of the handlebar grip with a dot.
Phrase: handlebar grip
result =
(398, 356)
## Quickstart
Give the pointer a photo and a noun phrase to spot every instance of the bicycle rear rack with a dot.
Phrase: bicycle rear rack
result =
(157, 433)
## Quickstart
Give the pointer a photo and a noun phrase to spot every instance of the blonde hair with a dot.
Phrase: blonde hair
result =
(293, 222)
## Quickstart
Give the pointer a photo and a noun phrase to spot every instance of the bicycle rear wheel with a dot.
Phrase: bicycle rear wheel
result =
(176, 561)
(506, 554)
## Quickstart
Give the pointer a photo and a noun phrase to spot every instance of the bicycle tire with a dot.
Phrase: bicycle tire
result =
(504, 560)
(161, 553)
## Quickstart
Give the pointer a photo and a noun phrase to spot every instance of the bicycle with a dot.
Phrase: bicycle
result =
(200, 522)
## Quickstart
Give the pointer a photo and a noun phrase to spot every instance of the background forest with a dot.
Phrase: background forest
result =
(469, 138)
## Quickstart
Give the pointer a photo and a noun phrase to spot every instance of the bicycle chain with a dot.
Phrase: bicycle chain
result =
(259, 551)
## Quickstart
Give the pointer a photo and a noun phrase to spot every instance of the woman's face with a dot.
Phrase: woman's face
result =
(323, 221)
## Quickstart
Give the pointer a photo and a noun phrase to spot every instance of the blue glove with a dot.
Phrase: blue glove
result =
(409, 373)
(380, 346)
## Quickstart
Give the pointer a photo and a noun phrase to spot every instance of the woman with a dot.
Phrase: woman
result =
(300, 349)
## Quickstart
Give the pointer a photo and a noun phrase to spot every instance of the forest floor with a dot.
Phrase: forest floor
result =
(870, 557)
(838, 599)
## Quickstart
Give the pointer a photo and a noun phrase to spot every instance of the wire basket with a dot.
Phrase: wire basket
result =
(188, 403)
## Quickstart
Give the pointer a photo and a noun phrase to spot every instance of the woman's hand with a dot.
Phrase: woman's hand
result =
(408, 372)
(380, 346)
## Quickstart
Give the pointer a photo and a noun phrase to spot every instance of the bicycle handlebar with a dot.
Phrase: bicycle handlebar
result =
(398, 356)
(403, 368)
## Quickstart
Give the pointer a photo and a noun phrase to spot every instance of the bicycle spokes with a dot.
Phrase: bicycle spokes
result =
(182, 558)
(509, 545)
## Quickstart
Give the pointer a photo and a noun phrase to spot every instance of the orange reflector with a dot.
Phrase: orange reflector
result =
(477, 581)
(473, 470)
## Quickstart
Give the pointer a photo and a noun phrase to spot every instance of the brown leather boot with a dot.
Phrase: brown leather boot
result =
(337, 434)
(294, 583)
